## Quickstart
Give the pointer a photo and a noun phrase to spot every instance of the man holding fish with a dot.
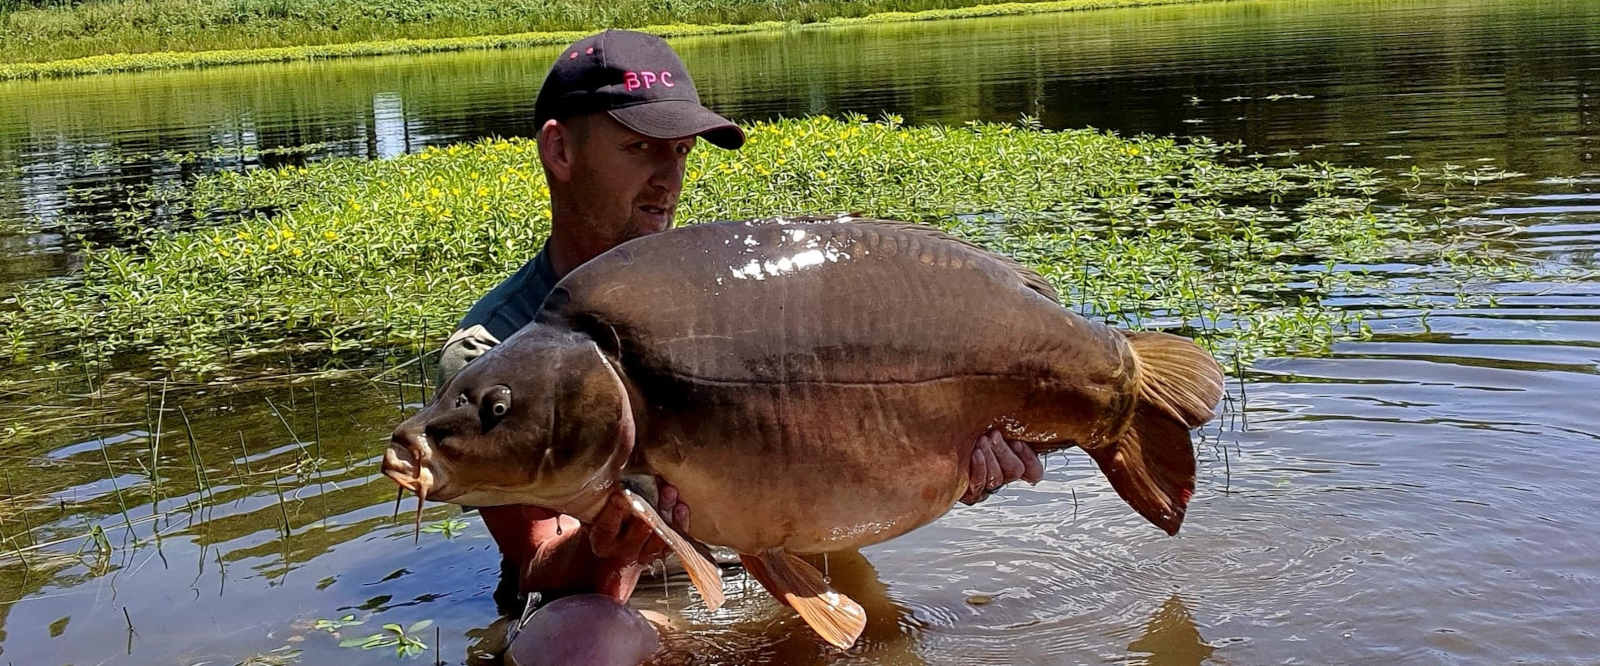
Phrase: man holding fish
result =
(617, 117)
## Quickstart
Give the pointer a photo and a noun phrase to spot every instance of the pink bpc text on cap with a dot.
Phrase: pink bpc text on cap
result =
(636, 80)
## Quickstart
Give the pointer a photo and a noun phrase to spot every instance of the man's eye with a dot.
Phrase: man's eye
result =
(641, 146)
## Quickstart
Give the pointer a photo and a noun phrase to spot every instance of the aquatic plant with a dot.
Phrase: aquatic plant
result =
(135, 35)
(333, 626)
(450, 527)
(279, 656)
(403, 639)
(365, 259)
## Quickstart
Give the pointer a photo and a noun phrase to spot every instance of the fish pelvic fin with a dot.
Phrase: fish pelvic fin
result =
(838, 619)
(1152, 465)
(705, 576)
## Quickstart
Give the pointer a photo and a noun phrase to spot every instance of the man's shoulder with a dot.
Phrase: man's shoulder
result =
(514, 302)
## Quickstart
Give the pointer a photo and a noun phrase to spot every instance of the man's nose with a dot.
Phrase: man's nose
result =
(669, 171)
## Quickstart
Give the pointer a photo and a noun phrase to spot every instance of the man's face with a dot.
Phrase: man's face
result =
(626, 183)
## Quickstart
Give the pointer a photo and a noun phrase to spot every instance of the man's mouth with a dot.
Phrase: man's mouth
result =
(655, 210)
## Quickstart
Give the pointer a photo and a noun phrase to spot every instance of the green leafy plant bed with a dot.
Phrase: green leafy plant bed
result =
(135, 35)
(367, 257)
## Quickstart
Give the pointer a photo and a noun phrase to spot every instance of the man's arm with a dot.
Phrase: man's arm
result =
(557, 556)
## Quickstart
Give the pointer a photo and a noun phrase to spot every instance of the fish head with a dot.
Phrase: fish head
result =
(541, 419)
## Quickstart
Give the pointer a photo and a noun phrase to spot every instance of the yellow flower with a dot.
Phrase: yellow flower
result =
(272, 247)
(296, 252)
(329, 235)
(288, 235)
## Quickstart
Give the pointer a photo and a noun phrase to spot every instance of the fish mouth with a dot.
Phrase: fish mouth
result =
(407, 463)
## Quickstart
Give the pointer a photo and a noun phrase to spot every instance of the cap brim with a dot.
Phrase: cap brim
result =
(675, 119)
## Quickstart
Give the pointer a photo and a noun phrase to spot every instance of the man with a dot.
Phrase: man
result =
(617, 117)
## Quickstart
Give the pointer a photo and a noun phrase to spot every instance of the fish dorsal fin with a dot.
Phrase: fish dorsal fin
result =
(835, 617)
(707, 578)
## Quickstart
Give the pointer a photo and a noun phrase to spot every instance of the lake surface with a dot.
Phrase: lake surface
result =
(1426, 496)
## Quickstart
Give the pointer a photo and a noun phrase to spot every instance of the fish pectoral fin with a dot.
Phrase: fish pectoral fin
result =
(707, 578)
(835, 617)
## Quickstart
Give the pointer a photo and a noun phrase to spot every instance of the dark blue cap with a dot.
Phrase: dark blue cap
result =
(636, 79)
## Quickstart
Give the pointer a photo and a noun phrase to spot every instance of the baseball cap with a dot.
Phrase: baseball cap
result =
(639, 81)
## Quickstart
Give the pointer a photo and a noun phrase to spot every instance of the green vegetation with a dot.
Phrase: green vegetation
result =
(402, 639)
(134, 35)
(366, 257)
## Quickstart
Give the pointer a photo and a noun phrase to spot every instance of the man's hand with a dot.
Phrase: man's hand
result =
(997, 461)
(620, 537)
(557, 555)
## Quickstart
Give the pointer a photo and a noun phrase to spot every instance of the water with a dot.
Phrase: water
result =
(1420, 497)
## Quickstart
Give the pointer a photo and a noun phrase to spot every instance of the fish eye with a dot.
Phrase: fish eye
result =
(496, 404)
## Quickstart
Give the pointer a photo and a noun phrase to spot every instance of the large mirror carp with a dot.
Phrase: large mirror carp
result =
(809, 385)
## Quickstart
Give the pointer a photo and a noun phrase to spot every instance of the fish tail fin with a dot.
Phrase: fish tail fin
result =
(1152, 465)
(835, 617)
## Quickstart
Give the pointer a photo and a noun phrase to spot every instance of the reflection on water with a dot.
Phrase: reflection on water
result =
(1420, 496)
(757, 629)
(1171, 639)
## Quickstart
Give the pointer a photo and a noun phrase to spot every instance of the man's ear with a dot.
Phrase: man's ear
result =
(556, 149)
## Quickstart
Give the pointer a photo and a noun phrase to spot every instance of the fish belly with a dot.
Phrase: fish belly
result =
(816, 468)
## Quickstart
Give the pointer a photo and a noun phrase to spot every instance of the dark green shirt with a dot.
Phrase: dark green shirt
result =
(512, 305)
(501, 312)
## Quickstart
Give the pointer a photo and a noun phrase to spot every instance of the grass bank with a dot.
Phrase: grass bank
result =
(366, 256)
(134, 35)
